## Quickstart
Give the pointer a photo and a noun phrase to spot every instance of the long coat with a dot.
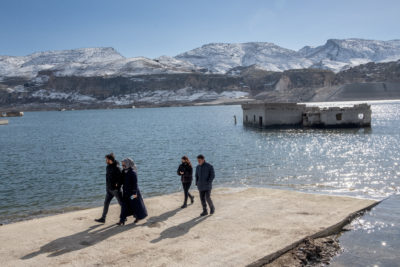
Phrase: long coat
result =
(187, 175)
(204, 176)
(133, 206)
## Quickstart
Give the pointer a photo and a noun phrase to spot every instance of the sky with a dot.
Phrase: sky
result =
(154, 28)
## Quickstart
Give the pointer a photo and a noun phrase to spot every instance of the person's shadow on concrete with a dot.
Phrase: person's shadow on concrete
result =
(155, 220)
(179, 230)
(80, 240)
(92, 236)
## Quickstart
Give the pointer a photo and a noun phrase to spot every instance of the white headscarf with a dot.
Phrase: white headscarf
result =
(128, 162)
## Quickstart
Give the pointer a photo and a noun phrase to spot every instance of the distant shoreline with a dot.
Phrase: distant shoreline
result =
(58, 107)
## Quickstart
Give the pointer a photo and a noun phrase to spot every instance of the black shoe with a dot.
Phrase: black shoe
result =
(136, 221)
(183, 206)
(191, 199)
(204, 213)
(121, 223)
(101, 220)
(212, 211)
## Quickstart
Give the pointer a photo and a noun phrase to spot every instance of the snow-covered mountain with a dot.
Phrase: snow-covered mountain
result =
(102, 77)
(334, 55)
(220, 57)
(88, 62)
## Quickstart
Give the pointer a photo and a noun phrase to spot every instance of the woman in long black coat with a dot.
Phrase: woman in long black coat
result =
(185, 170)
(132, 201)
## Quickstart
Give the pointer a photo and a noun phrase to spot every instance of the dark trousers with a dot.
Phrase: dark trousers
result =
(124, 209)
(109, 196)
(205, 197)
(186, 187)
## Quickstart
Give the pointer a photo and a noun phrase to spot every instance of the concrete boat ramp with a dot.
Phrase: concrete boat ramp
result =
(251, 227)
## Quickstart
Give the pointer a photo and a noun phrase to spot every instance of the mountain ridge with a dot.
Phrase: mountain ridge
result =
(335, 55)
(102, 77)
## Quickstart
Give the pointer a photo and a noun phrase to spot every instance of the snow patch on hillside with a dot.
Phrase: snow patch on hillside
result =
(54, 95)
(181, 95)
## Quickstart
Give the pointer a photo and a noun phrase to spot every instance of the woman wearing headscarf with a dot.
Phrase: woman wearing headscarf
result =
(132, 201)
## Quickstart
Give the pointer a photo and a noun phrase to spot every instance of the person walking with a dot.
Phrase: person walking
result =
(185, 170)
(132, 201)
(204, 179)
(113, 185)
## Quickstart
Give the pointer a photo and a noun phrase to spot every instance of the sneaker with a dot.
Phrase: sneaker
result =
(101, 220)
(183, 206)
(212, 211)
(204, 213)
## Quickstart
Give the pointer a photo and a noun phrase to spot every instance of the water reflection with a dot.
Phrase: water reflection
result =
(55, 160)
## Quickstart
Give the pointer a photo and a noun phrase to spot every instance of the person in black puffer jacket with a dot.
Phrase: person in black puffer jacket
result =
(185, 170)
(113, 185)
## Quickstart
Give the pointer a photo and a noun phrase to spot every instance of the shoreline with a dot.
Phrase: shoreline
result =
(254, 214)
(316, 249)
(58, 107)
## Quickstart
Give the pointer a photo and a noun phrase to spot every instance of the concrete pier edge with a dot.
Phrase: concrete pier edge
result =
(334, 229)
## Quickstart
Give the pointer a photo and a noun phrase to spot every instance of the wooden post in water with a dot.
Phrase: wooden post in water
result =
(234, 118)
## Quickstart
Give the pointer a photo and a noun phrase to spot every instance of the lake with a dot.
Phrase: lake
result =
(54, 162)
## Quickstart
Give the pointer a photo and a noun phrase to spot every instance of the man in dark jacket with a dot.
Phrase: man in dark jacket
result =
(204, 178)
(113, 185)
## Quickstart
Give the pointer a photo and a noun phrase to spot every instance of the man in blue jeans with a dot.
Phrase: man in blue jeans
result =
(204, 179)
(113, 185)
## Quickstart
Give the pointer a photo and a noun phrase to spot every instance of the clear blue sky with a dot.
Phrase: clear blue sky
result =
(153, 28)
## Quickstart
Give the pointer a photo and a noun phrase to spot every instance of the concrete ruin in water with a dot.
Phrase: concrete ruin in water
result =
(264, 115)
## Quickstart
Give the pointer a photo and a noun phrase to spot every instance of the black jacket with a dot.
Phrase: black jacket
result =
(204, 176)
(113, 177)
(187, 175)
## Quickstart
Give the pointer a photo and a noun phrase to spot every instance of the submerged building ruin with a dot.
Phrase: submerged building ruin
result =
(264, 115)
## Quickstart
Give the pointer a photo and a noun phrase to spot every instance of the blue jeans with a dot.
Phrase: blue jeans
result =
(109, 196)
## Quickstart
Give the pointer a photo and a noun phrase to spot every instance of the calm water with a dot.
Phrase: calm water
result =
(52, 161)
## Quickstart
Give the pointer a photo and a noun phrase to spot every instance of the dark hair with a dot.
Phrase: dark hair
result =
(185, 158)
(200, 156)
(111, 157)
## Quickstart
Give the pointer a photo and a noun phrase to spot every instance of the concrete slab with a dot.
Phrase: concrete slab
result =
(249, 226)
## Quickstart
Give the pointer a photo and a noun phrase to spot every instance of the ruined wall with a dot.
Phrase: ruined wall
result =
(358, 115)
(272, 114)
(291, 114)
(252, 114)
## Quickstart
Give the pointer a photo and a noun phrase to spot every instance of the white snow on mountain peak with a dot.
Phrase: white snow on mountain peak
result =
(335, 54)
(88, 62)
(344, 50)
(221, 57)
(82, 55)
